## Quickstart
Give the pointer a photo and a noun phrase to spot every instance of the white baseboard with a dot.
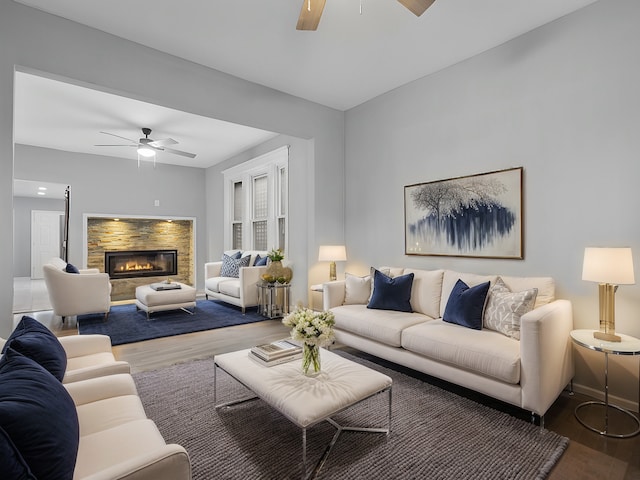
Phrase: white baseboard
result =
(599, 395)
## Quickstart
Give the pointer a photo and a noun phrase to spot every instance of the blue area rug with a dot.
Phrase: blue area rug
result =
(128, 325)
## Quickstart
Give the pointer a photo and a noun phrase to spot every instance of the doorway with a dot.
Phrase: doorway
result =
(46, 239)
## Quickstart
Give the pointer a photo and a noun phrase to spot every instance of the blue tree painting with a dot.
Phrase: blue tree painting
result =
(479, 215)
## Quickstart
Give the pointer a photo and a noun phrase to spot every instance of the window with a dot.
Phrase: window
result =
(256, 203)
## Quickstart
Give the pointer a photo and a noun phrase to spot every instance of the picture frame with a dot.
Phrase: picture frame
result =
(477, 215)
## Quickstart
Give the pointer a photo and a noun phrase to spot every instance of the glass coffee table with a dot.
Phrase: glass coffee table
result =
(307, 401)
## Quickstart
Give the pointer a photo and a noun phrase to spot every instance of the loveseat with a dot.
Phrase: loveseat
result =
(234, 279)
(525, 361)
(91, 428)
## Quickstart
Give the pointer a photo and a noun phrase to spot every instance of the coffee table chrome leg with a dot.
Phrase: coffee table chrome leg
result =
(339, 429)
(215, 393)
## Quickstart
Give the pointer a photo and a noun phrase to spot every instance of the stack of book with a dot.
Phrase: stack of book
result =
(270, 354)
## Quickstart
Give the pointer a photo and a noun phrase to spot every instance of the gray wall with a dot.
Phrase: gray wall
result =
(22, 208)
(109, 185)
(41, 43)
(562, 101)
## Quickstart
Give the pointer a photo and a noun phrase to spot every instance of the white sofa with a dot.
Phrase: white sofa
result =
(117, 440)
(529, 373)
(242, 291)
(90, 356)
(76, 294)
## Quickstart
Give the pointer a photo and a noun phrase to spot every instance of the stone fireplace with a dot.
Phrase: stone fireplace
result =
(140, 251)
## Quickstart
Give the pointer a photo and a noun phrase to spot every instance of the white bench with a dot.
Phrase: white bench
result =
(150, 300)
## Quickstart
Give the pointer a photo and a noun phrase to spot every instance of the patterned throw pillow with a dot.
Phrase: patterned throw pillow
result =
(504, 308)
(231, 266)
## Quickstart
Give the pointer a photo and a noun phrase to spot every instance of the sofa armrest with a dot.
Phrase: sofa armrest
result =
(212, 269)
(169, 462)
(94, 371)
(100, 388)
(333, 294)
(249, 277)
(82, 345)
(545, 354)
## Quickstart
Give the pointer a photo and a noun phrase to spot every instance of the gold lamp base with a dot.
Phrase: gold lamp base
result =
(607, 294)
(608, 337)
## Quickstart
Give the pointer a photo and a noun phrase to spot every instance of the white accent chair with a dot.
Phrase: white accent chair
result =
(76, 294)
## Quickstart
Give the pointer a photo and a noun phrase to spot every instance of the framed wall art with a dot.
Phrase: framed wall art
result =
(473, 216)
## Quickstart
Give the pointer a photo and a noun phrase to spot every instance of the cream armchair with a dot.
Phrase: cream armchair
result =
(76, 294)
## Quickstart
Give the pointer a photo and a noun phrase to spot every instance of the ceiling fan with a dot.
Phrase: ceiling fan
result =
(148, 147)
(312, 11)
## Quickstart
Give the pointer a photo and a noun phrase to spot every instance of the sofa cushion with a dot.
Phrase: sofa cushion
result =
(34, 340)
(39, 416)
(231, 288)
(213, 284)
(466, 305)
(391, 293)
(450, 278)
(426, 291)
(384, 326)
(236, 254)
(260, 261)
(481, 351)
(504, 308)
(231, 266)
(357, 290)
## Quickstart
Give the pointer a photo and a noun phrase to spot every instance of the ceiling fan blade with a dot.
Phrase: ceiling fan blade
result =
(177, 152)
(162, 143)
(111, 145)
(417, 7)
(310, 14)
(124, 138)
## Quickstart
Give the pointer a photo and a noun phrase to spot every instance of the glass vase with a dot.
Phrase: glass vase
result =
(310, 360)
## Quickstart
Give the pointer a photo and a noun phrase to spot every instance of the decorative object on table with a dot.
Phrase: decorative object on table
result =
(472, 216)
(332, 254)
(609, 267)
(314, 330)
(275, 353)
(276, 272)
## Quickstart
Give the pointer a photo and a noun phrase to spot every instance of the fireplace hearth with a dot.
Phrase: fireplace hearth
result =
(141, 263)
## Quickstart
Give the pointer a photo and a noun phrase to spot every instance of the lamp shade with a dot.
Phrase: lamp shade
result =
(608, 265)
(332, 253)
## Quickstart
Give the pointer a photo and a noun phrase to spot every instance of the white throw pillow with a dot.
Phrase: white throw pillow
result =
(357, 290)
(504, 308)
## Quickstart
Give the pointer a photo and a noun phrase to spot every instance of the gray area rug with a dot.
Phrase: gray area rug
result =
(435, 434)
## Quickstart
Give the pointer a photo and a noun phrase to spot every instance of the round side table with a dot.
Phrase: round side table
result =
(628, 346)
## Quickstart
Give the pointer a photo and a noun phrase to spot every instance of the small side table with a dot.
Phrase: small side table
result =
(273, 299)
(628, 346)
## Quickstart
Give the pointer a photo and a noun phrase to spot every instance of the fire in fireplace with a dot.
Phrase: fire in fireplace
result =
(141, 263)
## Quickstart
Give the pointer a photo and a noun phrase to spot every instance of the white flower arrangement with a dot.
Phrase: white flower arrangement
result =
(312, 328)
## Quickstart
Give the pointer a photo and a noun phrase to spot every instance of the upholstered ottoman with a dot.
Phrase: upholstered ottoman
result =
(150, 300)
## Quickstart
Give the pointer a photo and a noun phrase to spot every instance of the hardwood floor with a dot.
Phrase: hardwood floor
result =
(589, 455)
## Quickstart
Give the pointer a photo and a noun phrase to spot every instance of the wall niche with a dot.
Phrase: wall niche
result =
(113, 235)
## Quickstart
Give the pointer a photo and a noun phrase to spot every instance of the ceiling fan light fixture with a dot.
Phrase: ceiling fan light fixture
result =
(146, 152)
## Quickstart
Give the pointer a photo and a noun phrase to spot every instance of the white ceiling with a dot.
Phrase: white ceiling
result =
(350, 59)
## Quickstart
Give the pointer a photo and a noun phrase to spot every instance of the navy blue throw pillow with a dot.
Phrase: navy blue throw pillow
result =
(34, 340)
(465, 305)
(13, 465)
(391, 293)
(71, 268)
(260, 261)
(39, 418)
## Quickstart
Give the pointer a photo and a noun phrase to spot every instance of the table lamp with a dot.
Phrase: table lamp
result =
(609, 267)
(332, 254)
